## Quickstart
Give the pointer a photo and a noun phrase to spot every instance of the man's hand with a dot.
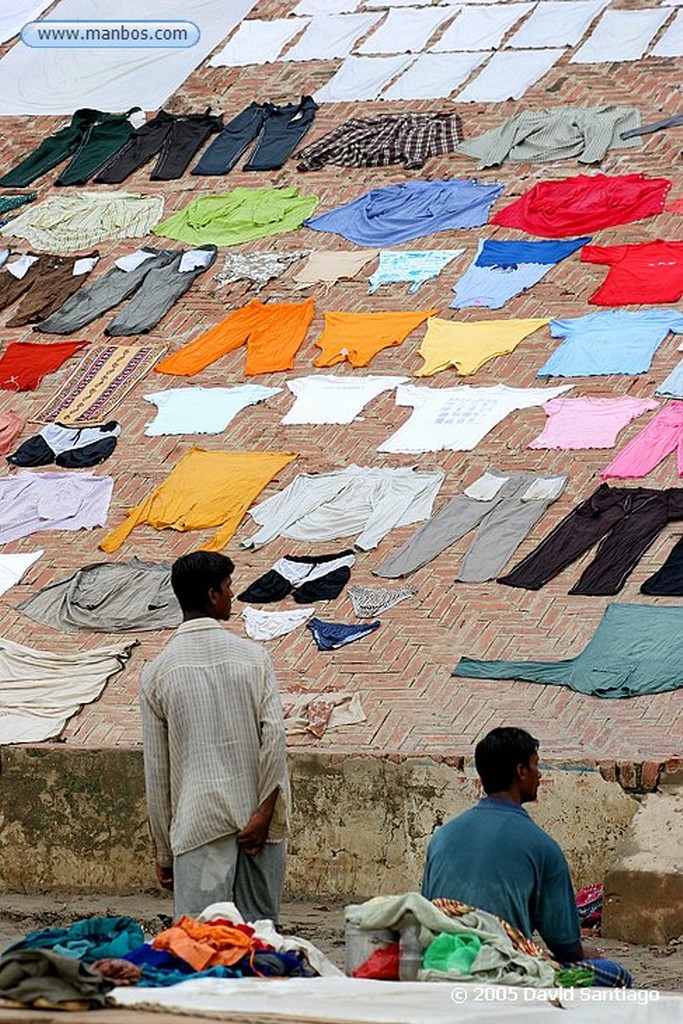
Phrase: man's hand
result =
(592, 952)
(253, 836)
(165, 876)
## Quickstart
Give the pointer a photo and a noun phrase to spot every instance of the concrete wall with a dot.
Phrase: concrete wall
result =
(76, 819)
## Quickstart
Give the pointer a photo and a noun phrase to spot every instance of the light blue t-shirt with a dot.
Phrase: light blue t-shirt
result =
(611, 341)
(412, 266)
(198, 410)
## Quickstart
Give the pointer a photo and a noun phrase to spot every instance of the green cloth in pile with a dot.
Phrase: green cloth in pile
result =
(42, 977)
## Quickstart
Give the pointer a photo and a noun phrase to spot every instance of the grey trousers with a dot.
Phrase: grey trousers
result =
(504, 506)
(219, 872)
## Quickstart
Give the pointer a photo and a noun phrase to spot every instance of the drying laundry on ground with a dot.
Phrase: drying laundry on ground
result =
(621, 35)
(368, 602)
(276, 131)
(23, 364)
(45, 979)
(586, 133)
(636, 650)
(412, 267)
(273, 333)
(99, 383)
(258, 41)
(9, 203)
(357, 337)
(42, 283)
(238, 216)
(260, 625)
(400, 213)
(667, 581)
(200, 410)
(457, 418)
(408, 139)
(204, 489)
(14, 567)
(172, 138)
(671, 387)
(362, 78)
(11, 426)
(356, 500)
(315, 713)
(41, 690)
(331, 35)
(31, 502)
(643, 273)
(502, 506)
(308, 578)
(68, 447)
(503, 269)
(589, 422)
(328, 266)
(333, 399)
(662, 436)
(584, 203)
(107, 597)
(467, 346)
(258, 268)
(610, 341)
(156, 278)
(626, 521)
(62, 223)
(329, 636)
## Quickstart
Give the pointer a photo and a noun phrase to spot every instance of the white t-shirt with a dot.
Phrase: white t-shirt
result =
(198, 410)
(330, 399)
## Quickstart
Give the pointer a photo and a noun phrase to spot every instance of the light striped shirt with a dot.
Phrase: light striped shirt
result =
(214, 739)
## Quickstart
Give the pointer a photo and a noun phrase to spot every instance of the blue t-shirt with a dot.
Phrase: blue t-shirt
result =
(495, 857)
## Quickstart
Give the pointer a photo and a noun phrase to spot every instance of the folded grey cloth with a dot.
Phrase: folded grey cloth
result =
(42, 977)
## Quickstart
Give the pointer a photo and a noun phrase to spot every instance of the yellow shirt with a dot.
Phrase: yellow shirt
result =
(467, 346)
(204, 489)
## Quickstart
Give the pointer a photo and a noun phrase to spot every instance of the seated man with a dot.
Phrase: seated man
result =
(495, 857)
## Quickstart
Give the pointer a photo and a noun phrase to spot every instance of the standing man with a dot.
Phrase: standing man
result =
(214, 751)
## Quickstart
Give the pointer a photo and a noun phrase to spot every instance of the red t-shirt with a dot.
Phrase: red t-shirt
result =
(585, 203)
(23, 364)
(644, 273)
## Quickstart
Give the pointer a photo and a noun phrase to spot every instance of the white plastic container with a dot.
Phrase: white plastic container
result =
(362, 943)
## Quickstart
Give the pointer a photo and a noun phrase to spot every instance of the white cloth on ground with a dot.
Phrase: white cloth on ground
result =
(41, 690)
(671, 43)
(361, 78)
(199, 410)
(331, 35)
(258, 42)
(13, 567)
(557, 23)
(31, 502)
(481, 28)
(508, 75)
(14, 14)
(325, 7)
(269, 625)
(457, 418)
(356, 500)
(333, 399)
(407, 29)
(621, 36)
(52, 80)
(434, 76)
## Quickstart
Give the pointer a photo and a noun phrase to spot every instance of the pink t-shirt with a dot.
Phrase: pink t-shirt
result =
(588, 422)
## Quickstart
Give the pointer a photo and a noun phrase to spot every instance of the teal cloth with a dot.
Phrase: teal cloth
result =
(94, 938)
(636, 650)
(8, 203)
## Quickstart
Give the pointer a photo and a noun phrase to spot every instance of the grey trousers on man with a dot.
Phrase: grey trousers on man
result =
(504, 506)
(219, 872)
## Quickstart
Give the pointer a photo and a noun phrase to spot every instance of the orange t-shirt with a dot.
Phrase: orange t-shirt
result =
(360, 336)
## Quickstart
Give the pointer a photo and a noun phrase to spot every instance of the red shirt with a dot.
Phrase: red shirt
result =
(644, 273)
(23, 364)
(585, 203)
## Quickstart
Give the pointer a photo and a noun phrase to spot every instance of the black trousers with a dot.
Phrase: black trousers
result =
(625, 519)
(278, 131)
(667, 581)
(174, 137)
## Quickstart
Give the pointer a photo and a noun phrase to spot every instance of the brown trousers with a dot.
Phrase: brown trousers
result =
(44, 287)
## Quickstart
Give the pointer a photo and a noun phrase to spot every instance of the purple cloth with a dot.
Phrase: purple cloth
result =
(30, 502)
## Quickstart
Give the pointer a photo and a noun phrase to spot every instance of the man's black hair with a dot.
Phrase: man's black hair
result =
(498, 755)
(193, 575)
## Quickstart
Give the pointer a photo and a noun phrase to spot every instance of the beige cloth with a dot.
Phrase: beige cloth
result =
(315, 713)
(328, 266)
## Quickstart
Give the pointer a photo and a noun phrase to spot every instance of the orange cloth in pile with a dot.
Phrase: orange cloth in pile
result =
(204, 489)
(360, 336)
(204, 945)
(273, 333)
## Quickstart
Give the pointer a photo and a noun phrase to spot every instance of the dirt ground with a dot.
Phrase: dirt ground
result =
(323, 924)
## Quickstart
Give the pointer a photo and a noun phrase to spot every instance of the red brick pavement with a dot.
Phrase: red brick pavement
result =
(403, 670)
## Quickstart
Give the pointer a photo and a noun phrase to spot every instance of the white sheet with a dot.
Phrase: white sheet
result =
(557, 23)
(13, 567)
(671, 43)
(621, 35)
(480, 28)
(406, 30)
(258, 42)
(508, 75)
(57, 81)
(361, 78)
(434, 76)
(14, 14)
(325, 6)
(671, 3)
(331, 35)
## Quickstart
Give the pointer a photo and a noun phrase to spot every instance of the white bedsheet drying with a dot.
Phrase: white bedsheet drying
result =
(331, 35)
(671, 43)
(481, 28)
(557, 23)
(434, 76)
(362, 78)
(407, 30)
(14, 14)
(57, 81)
(258, 42)
(621, 35)
(13, 567)
(325, 6)
(508, 75)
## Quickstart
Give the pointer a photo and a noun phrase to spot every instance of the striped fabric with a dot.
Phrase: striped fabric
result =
(213, 738)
